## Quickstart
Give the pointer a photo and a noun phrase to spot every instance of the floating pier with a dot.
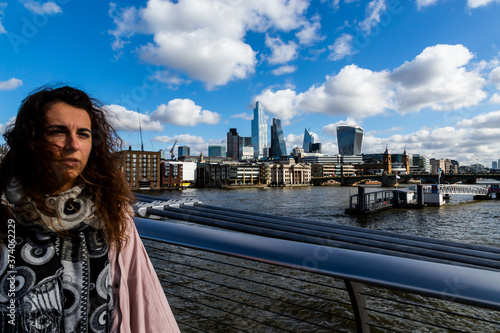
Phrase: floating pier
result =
(430, 195)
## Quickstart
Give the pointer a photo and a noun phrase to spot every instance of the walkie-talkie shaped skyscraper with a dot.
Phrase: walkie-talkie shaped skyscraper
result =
(259, 132)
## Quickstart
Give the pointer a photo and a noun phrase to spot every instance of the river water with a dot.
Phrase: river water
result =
(460, 219)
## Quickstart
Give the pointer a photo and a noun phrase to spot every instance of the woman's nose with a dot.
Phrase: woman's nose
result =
(72, 143)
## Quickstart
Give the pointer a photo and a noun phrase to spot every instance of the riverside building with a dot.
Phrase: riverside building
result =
(141, 169)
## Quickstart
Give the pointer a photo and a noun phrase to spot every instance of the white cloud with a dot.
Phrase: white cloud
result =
(437, 79)
(46, 8)
(495, 77)
(310, 33)
(281, 52)
(171, 79)
(3, 127)
(184, 112)
(353, 91)
(494, 99)
(3, 5)
(425, 3)
(181, 138)
(205, 39)
(128, 121)
(480, 3)
(10, 84)
(283, 103)
(196, 143)
(284, 70)
(374, 10)
(331, 129)
(244, 116)
(292, 141)
(341, 48)
(486, 120)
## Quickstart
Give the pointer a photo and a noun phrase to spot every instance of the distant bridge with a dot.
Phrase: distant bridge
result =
(457, 189)
(449, 178)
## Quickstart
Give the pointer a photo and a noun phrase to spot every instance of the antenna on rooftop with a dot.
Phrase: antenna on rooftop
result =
(140, 130)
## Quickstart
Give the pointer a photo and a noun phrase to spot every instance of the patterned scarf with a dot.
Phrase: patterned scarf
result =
(60, 279)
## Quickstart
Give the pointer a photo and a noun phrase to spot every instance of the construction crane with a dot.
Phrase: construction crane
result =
(172, 155)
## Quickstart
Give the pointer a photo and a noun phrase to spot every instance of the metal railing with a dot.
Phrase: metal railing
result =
(330, 278)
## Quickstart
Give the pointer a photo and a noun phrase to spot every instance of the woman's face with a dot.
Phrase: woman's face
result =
(69, 133)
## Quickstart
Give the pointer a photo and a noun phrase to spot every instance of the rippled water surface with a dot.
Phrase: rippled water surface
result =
(461, 218)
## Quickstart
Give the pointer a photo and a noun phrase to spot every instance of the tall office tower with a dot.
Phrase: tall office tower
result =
(349, 140)
(233, 144)
(494, 165)
(278, 146)
(216, 151)
(259, 132)
(308, 141)
(183, 151)
(315, 148)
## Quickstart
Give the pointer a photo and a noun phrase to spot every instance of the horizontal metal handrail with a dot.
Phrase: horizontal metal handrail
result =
(460, 284)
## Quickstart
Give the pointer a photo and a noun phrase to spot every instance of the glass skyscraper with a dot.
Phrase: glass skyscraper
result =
(308, 141)
(183, 151)
(278, 146)
(259, 132)
(349, 140)
(216, 151)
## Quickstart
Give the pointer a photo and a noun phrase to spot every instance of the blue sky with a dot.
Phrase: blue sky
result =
(417, 74)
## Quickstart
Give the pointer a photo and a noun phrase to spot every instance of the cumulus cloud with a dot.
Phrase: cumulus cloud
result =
(184, 112)
(353, 91)
(495, 77)
(331, 129)
(205, 39)
(341, 48)
(3, 127)
(282, 103)
(480, 3)
(374, 10)
(284, 70)
(10, 84)
(128, 121)
(182, 138)
(494, 99)
(486, 120)
(292, 141)
(46, 8)
(196, 143)
(310, 32)
(281, 52)
(437, 78)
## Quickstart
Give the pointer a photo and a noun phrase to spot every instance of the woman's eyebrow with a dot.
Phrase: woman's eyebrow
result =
(64, 127)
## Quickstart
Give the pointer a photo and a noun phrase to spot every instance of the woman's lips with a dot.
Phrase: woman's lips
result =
(70, 162)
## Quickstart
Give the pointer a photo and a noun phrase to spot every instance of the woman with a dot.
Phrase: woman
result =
(71, 259)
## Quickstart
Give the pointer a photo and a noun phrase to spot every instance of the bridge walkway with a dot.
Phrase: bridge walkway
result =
(248, 272)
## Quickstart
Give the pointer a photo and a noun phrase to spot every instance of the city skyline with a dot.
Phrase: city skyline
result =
(422, 74)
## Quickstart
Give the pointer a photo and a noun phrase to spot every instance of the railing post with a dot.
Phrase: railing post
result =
(358, 303)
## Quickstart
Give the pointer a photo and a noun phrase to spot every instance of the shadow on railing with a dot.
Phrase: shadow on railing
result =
(316, 277)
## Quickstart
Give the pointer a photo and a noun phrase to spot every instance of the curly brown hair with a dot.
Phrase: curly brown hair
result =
(28, 158)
